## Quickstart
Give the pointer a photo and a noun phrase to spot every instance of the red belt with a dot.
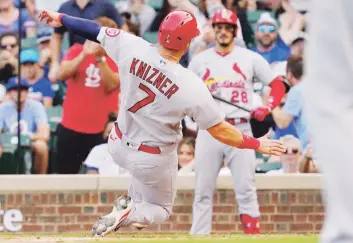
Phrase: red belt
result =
(143, 148)
(237, 121)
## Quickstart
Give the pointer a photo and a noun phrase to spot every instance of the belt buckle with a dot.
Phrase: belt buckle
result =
(130, 144)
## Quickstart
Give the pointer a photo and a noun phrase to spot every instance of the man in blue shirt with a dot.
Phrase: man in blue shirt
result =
(40, 87)
(88, 9)
(292, 110)
(34, 121)
(268, 42)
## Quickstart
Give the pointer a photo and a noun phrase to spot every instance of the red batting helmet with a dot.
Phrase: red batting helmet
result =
(177, 29)
(224, 16)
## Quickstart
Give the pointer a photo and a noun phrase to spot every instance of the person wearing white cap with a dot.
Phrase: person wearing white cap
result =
(269, 43)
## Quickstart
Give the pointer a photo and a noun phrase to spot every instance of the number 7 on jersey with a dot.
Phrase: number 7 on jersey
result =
(142, 103)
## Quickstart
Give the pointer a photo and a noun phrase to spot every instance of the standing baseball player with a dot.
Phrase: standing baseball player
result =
(157, 93)
(229, 71)
(328, 107)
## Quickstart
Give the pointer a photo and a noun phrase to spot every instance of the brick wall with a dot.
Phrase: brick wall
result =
(282, 210)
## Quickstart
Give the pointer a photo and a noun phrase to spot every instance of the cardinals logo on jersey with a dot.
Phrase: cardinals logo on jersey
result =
(226, 14)
(206, 77)
(237, 70)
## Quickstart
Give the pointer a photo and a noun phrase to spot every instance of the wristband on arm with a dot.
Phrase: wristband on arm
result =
(249, 143)
(278, 90)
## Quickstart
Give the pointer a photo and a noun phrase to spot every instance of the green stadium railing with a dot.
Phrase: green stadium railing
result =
(150, 37)
(12, 159)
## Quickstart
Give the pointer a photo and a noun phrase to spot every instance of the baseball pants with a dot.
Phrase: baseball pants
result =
(329, 110)
(153, 186)
(209, 157)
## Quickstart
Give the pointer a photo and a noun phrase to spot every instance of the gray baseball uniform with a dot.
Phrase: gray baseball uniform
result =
(328, 106)
(156, 96)
(229, 77)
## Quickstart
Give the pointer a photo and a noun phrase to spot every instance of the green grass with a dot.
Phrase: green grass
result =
(156, 238)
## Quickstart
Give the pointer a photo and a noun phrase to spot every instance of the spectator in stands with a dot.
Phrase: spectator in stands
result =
(8, 55)
(40, 87)
(297, 46)
(99, 160)
(89, 9)
(9, 17)
(307, 162)
(166, 8)
(133, 28)
(43, 44)
(289, 159)
(34, 121)
(2, 93)
(269, 43)
(27, 4)
(292, 109)
(291, 22)
(92, 93)
(141, 13)
(254, 5)
(186, 153)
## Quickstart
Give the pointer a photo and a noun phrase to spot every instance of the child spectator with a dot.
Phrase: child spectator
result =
(34, 121)
(186, 154)
(40, 87)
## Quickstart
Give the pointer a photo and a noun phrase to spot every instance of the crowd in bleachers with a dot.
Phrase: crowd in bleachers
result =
(70, 88)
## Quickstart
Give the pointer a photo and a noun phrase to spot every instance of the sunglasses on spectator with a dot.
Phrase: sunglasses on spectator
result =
(266, 29)
(9, 45)
(291, 151)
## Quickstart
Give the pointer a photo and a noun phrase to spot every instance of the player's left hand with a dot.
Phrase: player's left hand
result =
(260, 113)
(51, 16)
(270, 147)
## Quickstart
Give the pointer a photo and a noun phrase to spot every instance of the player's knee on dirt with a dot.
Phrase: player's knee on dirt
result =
(147, 213)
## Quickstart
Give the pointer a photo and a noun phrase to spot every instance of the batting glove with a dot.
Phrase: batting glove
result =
(261, 113)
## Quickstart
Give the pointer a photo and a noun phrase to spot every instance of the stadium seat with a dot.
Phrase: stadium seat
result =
(151, 37)
(156, 4)
(265, 167)
(12, 159)
(59, 93)
(54, 117)
(29, 43)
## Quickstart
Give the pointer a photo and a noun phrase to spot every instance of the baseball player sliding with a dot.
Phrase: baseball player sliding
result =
(157, 93)
(229, 71)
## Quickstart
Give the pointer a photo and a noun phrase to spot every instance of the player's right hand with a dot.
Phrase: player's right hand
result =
(51, 16)
(270, 147)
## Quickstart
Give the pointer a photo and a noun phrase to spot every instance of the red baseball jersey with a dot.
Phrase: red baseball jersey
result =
(87, 105)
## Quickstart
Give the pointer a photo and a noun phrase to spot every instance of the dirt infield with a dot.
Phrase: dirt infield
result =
(16, 238)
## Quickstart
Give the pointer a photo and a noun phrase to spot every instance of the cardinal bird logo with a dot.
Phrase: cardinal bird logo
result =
(237, 70)
(206, 75)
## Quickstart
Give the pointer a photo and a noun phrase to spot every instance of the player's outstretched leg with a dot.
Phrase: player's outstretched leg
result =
(242, 164)
(114, 220)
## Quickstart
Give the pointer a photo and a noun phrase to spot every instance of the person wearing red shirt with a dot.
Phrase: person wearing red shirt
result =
(92, 93)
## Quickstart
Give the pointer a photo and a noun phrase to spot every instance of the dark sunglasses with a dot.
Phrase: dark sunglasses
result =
(10, 45)
(293, 151)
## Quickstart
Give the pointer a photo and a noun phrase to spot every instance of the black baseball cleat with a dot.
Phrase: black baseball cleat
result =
(114, 220)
